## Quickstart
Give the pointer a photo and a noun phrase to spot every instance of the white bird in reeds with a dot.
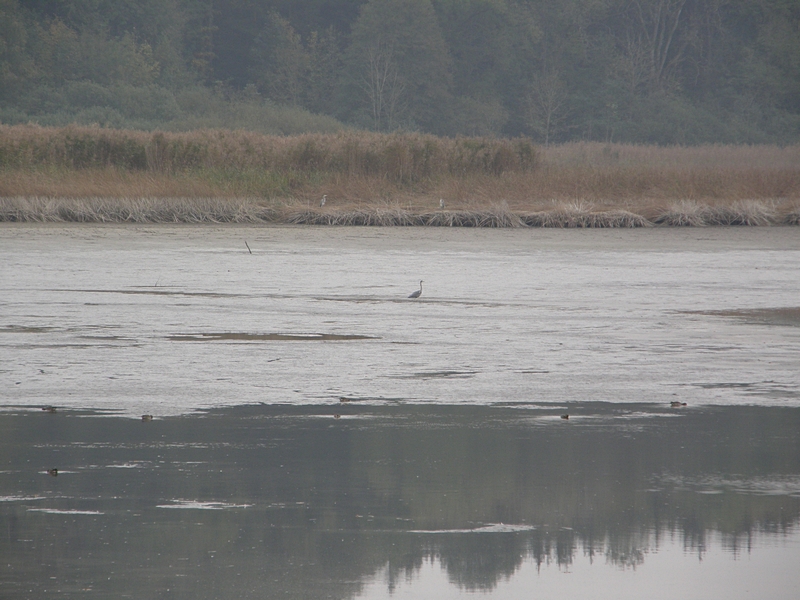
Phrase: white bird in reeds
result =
(441, 202)
(418, 293)
(324, 199)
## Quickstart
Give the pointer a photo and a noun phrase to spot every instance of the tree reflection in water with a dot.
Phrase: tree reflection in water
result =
(287, 501)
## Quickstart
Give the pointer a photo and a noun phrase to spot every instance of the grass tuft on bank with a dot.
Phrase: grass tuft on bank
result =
(257, 211)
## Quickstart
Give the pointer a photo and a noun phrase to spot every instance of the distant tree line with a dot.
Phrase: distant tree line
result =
(656, 71)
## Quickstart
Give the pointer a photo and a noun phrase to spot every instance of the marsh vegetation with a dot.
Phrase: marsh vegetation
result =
(101, 175)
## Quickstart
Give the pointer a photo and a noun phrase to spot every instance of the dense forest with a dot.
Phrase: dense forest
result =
(646, 71)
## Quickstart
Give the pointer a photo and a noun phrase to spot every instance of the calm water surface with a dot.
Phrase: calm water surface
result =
(449, 471)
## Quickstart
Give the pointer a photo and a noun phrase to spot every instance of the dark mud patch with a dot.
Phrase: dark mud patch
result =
(25, 329)
(371, 400)
(786, 316)
(107, 338)
(267, 337)
(156, 292)
(439, 375)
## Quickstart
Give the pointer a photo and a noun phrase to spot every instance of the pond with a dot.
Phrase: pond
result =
(318, 434)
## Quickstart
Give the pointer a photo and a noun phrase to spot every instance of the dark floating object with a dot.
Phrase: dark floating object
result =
(53, 472)
(676, 404)
(418, 293)
(50, 409)
(337, 416)
(147, 417)
(565, 417)
(344, 399)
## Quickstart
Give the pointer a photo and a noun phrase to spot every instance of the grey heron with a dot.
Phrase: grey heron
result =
(418, 293)
(324, 199)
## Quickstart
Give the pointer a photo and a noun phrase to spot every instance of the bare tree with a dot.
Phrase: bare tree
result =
(546, 106)
(632, 67)
(383, 86)
(658, 35)
(324, 70)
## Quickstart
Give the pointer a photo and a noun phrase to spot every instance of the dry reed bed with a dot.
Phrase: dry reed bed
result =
(653, 181)
(359, 166)
(386, 179)
(402, 157)
(523, 191)
(708, 156)
(255, 211)
(134, 210)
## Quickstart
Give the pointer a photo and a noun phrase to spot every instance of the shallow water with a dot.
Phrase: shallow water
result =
(422, 501)
(449, 472)
(165, 320)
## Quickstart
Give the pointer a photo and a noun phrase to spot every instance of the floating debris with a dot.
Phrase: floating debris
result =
(56, 511)
(200, 505)
(267, 337)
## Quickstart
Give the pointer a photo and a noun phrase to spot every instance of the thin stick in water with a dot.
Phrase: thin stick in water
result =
(248, 247)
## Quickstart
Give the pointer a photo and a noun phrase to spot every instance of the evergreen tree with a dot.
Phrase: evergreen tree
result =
(279, 64)
(15, 63)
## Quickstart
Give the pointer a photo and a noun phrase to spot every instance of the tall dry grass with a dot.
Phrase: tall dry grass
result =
(708, 156)
(135, 210)
(380, 179)
(402, 157)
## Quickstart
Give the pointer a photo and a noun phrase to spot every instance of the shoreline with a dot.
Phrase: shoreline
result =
(564, 214)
